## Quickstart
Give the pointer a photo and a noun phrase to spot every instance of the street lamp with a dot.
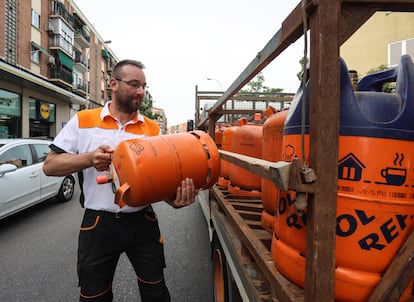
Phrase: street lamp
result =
(211, 79)
(89, 72)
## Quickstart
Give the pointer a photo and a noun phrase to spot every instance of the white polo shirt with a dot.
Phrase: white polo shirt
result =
(88, 130)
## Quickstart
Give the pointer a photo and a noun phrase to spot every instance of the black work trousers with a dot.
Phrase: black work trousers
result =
(104, 237)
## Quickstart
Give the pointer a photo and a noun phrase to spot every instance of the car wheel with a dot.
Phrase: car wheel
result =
(66, 189)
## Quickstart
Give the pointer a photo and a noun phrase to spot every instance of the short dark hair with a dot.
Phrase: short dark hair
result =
(120, 64)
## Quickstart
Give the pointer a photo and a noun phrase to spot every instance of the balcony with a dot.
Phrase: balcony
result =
(82, 38)
(58, 9)
(61, 76)
(58, 41)
(80, 62)
(79, 88)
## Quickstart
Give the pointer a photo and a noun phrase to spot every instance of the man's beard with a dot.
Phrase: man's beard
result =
(128, 105)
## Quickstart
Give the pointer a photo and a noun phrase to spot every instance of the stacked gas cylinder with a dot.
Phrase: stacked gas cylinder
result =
(375, 202)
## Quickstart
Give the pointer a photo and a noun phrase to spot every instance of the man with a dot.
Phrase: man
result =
(84, 145)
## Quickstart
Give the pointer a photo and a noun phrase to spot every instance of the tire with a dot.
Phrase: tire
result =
(66, 190)
(224, 286)
(220, 276)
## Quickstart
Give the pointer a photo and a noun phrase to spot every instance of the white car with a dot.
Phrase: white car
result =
(22, 181)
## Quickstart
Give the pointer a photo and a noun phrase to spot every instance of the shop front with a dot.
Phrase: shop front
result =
(10, 114)
(31, 106)
(41, 114)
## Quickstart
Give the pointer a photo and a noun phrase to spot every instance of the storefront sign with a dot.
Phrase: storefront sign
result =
(43, 111)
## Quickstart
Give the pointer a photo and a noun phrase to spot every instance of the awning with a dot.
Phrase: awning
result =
(105, 54)
(65, 60)
(37, 46)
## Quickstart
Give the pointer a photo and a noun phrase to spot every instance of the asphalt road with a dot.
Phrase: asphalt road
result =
(38, 255)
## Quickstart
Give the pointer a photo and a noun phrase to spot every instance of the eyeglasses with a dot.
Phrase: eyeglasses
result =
(133, 83)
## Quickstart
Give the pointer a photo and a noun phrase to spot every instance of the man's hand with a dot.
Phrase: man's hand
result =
(186, 194)
(102, 158)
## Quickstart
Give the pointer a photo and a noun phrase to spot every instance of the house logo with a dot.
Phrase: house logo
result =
(350, 168)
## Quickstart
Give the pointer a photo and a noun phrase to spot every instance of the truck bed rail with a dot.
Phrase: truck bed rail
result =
(252, 246)
(331, 23)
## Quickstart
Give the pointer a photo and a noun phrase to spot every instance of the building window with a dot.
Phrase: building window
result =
(35, 19)
(35, 51)
(397, 49)
(34, 54)
(10, 114)
(409, 46)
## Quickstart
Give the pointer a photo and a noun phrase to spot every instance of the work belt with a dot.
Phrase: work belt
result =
(122, 215)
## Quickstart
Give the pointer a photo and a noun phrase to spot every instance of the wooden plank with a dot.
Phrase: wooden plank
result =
(277, 172)
(262, 235)
(384, 5)
(255, 225)
(282, 289)
(285, 175)
(398, 275)
(242, 206)
(352, 18)
(262, 97)
(240, 198)
(290, 31)
(323, 154)
(253, 201)
(253, 98)
(250, 215)
(231, 240)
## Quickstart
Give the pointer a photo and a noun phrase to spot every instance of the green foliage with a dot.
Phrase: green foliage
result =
(386, 87)
(274, 90)
(146, 107)
(257, 85)
(303, 62)
(377, 69)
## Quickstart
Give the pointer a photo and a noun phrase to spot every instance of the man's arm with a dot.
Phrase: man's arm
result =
(61, 164)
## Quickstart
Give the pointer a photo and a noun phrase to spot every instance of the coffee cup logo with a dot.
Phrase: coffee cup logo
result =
(394, 176)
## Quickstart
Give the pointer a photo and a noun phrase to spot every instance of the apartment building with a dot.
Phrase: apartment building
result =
(160, 118)
(52, 64)
(382, 40)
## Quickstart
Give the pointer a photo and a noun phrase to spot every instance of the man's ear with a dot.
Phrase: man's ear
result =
(113, 84)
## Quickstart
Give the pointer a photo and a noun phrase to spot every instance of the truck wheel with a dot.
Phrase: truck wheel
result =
(220, 277)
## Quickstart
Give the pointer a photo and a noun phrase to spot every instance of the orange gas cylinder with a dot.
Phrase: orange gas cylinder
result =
(375, 202)
(272, 151)
(247, 140)
(292, 264)
(150, 169)
(267, 221)
(226, 141)
(218, 134)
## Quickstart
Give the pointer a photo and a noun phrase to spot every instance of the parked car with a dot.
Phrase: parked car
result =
(22, 181)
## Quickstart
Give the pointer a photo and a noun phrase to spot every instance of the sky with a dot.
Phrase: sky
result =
(184, 42)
